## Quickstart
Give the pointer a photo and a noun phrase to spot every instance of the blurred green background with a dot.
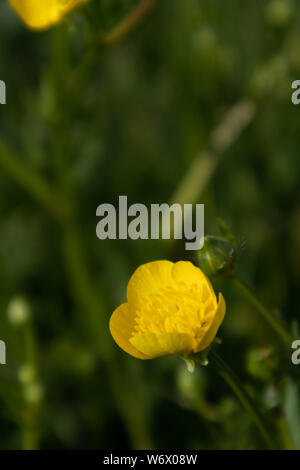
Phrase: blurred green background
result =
(142, 118)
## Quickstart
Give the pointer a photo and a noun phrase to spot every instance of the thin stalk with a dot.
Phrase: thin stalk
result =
(92, 316)
(113, 37)
(266, 313)
(236, 385)
(30, 429)
(31, 181)
(128, 23)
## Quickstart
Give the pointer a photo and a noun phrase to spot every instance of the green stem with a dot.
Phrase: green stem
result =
(236, 385)
(32, 182)
(132, 406)
(267, 314)
(93, 321)
(89, 304)
(128, 23)
(30, 431)
(92, 314)
(121, 30)
(95, 325)
(28, 440)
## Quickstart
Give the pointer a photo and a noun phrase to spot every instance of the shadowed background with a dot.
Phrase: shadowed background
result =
(193, 105)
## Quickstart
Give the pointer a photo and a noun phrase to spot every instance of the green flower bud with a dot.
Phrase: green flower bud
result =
(217, 257)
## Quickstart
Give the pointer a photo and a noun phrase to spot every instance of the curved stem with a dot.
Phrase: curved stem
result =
(35, 185)
(128, 23)
(267, 314)
(236, 385)
(122, 29)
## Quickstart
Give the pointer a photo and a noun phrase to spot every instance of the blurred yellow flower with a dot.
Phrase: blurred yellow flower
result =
(40, 14)
(171, 309)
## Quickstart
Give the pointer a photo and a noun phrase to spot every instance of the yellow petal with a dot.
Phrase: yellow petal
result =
(121, 326)
(156, 345)
(184, 271)
(152, 278)
(147, 280)
(211, 333)
(40, 14)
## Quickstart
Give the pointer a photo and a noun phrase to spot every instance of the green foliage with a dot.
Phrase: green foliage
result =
(154, 117)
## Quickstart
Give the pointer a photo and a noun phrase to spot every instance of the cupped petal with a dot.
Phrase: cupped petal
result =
(153, 278)
(186, 272)
(147, 280)
(212, 331)
(39, 14)
(157, 345)
(121, 326)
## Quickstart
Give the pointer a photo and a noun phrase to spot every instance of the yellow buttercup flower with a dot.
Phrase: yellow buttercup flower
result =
(40, 14)
(171, 308)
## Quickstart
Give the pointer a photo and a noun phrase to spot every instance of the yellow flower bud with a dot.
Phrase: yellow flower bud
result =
(171, 308)
(40, 14)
